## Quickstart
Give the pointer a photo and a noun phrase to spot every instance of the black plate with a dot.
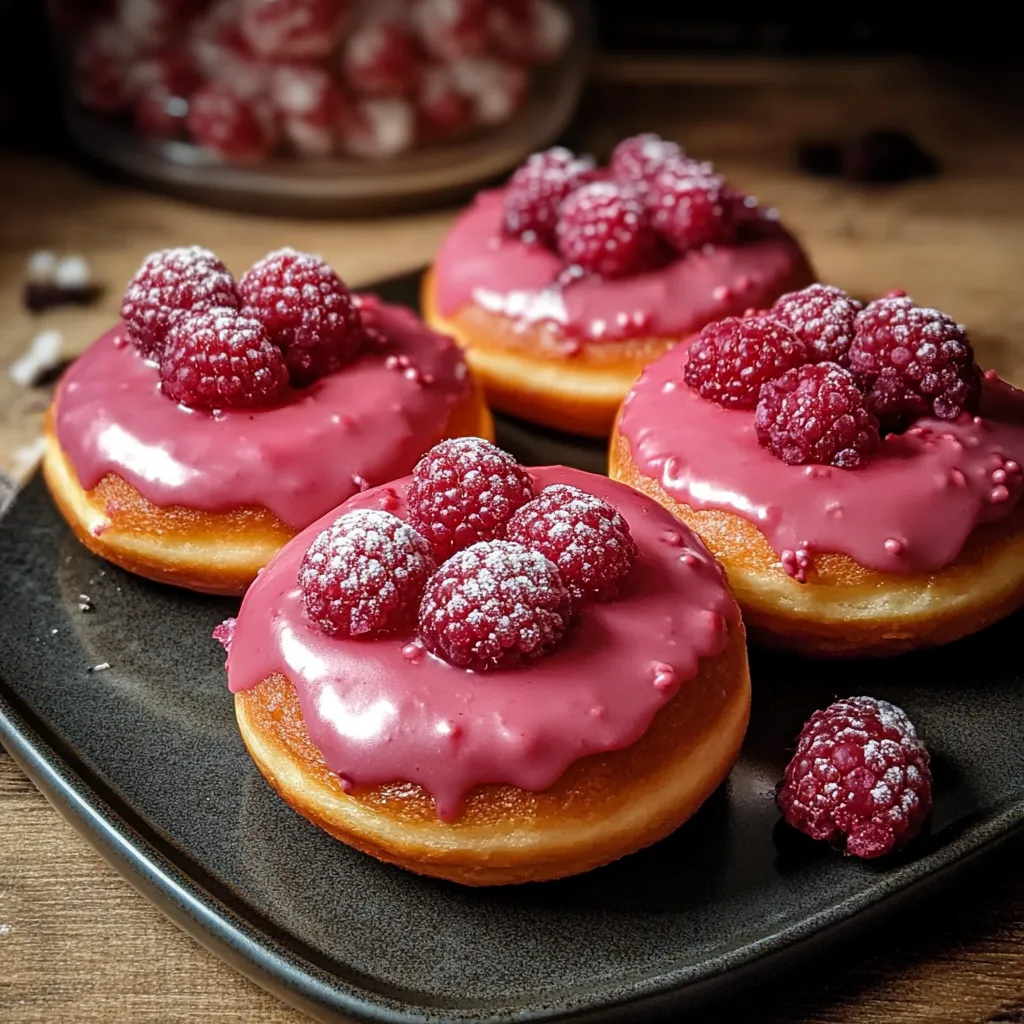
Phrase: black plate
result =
(145, 760)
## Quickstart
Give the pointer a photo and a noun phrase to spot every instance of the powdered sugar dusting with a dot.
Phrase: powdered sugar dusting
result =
(169, 282)
(583, 535)
(494, 605)
(363, 574)
(465, 490)
(860, 775)
(823, 317)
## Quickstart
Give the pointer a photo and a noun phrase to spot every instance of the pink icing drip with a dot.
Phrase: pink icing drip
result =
(910, 509)
(367, 423)
(386, 711)
(477, 263)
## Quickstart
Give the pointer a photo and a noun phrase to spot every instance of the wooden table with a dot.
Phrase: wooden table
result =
(77, 944)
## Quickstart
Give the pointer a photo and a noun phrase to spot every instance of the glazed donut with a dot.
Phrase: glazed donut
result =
(923, 543)
(561, 348)
(601, 746)
(204, 500)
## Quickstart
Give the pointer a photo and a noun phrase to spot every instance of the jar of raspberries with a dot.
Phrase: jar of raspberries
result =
(341, 105)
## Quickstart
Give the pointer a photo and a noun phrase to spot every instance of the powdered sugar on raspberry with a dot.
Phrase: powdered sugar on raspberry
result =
(493, 606)
(364, 574)
(583, 535)
(603, 228)
(860, 776)
(169, 282)
(465, 490)
(218, 359)
(639, 158)
(823, 317)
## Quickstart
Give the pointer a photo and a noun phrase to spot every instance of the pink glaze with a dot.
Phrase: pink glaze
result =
(910, 509)
(387, 711)
(363, 425)
(478, 263)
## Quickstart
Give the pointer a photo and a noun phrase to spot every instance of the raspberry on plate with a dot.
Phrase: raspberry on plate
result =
(860, 778)
(155, 23)
(494, 605)
(465, 490)
(586, 538)
(822, 317)
(529, 31)
(101, 67)
(311, 107)
(169, 282)
(603, 228)
(231, 126)
(913, 361)
(537, 189)
(219, 359)
(364, 575)
(293, 29)
(379, 129)
(164, 83)
(379, 58)
(731, 358)
(442, 110)
(306, 310)
(816, 414)
(639, 158)
(685, 201)
(451, 29)
(495, 88)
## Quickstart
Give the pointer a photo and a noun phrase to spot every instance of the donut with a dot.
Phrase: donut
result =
(203, 498)
(597, 742)
(557, 332)
(919, 543)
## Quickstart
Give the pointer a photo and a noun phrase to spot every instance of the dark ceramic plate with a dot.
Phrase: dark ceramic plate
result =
(144, 758)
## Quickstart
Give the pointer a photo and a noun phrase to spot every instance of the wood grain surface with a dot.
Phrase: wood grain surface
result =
(77, 944)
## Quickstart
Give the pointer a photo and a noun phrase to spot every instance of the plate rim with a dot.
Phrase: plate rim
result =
(173, 882)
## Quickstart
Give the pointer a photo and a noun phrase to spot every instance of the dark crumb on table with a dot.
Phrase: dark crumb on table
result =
(881, 156)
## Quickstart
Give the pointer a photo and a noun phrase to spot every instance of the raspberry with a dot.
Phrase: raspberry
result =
(730, 360)
(913, 361)
(494, 606)
(169, 282)
(639, 158)
(379, 129)
(603, 228)
(586, 538)
(363, 576)
(231, 126)
(451, 29)
(380, 59)
(822, 317)
(293, 29)
(465, 490)
(101, 64)
(221, 359)
(224, 633)
(222, 54)
(160, 114)
(494, 88)
(529, 31)
(164, 83)
(154, 23)
(859, 777)
(311, 107)
(816, 414)
(443, 111)
(306, 311)
(686, 205)
(536, 190)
